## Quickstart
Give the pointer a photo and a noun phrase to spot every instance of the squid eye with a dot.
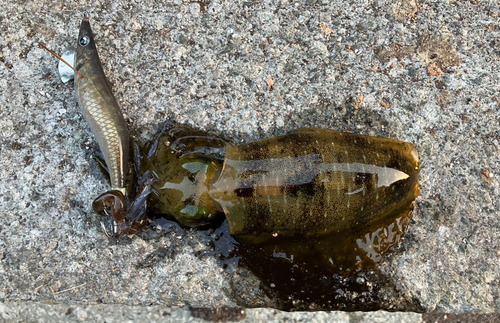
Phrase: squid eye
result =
(84, 41)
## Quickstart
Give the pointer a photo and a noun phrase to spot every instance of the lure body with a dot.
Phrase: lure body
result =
(307, 183)
(100, 108)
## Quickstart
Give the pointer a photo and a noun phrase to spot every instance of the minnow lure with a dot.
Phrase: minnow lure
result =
(97, 103)
(105, 118)
(100, 108)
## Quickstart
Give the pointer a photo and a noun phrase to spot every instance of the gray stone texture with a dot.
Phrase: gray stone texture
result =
(41, 313)
(425, 72)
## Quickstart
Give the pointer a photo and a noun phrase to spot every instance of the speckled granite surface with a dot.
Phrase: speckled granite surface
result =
(419, 71)
(36, 312)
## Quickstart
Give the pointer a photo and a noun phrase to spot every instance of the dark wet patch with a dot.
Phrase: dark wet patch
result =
(283, 277)
(270, 275)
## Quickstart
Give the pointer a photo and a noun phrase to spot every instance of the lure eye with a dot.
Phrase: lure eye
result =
(84, 41)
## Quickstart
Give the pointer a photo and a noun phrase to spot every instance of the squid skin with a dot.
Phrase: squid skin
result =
(306, 183)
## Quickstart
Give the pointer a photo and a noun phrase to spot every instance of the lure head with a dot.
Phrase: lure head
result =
(85, 47)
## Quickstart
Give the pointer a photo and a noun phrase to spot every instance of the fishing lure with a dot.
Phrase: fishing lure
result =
(106, 121)
(100, 108)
